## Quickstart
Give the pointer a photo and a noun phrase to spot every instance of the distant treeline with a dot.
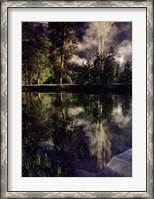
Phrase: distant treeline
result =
(47, 49)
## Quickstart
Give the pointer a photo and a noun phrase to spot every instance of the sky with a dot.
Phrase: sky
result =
(115, 34)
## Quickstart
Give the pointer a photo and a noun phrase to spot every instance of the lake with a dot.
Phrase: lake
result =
(72, 135)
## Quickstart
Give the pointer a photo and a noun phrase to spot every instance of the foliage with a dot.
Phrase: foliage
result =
(126, 75)
(109, 67)
(36, 65)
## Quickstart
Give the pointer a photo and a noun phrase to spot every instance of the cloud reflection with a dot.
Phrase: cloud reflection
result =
(119, 118)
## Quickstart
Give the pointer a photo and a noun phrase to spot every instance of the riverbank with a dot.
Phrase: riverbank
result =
(73, 88)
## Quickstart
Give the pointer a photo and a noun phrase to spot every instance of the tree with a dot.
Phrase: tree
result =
(62, 35)
(126, 75)
(128, 72)
(117, 73)
(42, 61)
(109, 67)
(35, 47)
(85, 75)
(97, 71)
(27, 51)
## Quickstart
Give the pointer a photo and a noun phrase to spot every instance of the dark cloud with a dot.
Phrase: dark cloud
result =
(120, 37)
(124, 31)
(120, 31)
(81, 28)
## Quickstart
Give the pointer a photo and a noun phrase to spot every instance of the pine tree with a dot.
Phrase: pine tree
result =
(109, 67)
(62, 35)
(117, 73)
(98, 69)
(126, 75)
(128, 72)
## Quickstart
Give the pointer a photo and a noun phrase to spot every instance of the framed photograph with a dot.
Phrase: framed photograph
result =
(77, 99)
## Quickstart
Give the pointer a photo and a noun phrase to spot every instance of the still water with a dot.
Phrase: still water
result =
(71, 135)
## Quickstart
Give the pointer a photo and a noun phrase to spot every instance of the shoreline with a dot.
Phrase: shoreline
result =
(74, 88)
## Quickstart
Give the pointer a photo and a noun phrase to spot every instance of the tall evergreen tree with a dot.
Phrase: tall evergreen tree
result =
(109, 67)
(128, 72)
(98, 69)
(117, 73)
(62, 35)
(126, 75)
(86, 73)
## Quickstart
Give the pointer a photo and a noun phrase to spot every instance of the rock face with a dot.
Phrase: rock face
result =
(118, 166)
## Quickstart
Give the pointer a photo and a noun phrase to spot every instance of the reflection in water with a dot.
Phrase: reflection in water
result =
(98, 142)
(66, 133)
(99, 145)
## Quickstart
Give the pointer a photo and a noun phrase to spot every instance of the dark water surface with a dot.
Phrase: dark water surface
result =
(65, 134)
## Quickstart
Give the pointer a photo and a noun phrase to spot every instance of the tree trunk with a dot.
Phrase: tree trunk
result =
(38, 77)
(62, 68)
(26, 76)
(29, 79)
(62, 107)
(25, 79)
(62, 57)
(39, 98)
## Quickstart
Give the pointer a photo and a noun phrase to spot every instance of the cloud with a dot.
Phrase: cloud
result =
(124, 52)
(116, 34)
(77, 60)
(120, 60)
(89, 38)
(120, 37)
(94, 30)
(75, 111)
(119, 32)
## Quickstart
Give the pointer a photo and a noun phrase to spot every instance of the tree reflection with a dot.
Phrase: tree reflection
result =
(126, 101)
(98, 144)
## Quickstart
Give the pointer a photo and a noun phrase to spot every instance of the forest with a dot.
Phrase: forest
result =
(47, 49)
